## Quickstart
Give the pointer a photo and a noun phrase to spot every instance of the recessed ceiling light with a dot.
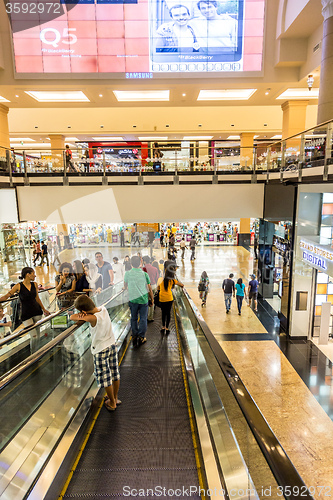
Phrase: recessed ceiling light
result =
(233, 137)
(17, 95)
(183, 95)
(197, 137)
(3, 99)
(21, 139)
(299, 94)
(153, 138)
(108, 139)
(58, 96)
(71, 139)
(100, 95)
(142, 95)
(226, 95)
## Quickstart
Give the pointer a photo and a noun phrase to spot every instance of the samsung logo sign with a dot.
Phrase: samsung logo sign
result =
(316, 261)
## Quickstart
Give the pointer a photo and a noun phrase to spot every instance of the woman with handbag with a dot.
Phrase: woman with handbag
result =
(203, 288)
(165, 297)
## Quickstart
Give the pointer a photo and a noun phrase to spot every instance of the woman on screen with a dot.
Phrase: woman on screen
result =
(177, 35)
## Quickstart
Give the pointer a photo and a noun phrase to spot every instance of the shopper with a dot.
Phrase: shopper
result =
(192, 248)
(32, 307)
(38, 253)
(118, 269)
(5, 324)
(203, 288)
(240, 294)
(103, 348)
(44, 254)
(55, 253)
(122, 238)
(127, 263)
(253, 292)
(65, 285)
(183, 247)
(82, 285)
(165, 287)
(137, 283)
(69, 160)
(162, 239)
(105, 269)
(94, 278)
(228, 287)
(153, 276)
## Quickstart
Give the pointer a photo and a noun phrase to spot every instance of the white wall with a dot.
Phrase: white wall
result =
(72, 204)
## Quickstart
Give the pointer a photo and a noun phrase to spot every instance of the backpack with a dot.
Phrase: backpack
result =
(201, 286)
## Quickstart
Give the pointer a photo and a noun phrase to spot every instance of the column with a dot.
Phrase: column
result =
(244, 234)
(294, 121)
(325, 103)
(57, 147)
(204, 154)
(4, 131)
(246, 149)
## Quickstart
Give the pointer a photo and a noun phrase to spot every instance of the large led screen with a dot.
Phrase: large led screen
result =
(138, 38)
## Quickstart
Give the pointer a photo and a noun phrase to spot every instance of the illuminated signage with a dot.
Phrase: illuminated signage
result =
(140, 39)
(315, 255)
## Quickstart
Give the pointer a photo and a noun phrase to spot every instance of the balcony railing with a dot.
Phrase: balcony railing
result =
(266, 160)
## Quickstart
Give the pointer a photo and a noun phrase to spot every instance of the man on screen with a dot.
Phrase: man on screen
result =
(214, 31)
(177, 35)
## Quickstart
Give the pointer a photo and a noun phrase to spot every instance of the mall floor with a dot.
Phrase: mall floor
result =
(290, 381)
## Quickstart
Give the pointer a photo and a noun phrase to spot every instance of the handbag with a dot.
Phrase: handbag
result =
(157, 298)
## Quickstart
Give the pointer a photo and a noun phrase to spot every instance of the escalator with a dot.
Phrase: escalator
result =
(171, 436)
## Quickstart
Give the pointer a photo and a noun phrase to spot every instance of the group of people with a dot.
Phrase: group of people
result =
(238, 290)
(41, 250)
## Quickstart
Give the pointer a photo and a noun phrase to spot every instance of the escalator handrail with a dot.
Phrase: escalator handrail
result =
(16, 295)
(26, 330)
(280, 464)
(33, 358)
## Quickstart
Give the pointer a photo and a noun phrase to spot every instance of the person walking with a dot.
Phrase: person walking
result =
(228, 287)
(154, 275)
(122, 237)
(183, 246)
(253, 292)
(103, 348)
(44, 254)
(162, 238)
(38, 253)
(192, 247)
(137, 282)
(55, 253)
(32, 307)
(203, 288)
(165, 287)
(240, 294)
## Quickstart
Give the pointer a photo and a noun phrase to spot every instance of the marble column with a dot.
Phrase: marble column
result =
(244, 235)
(325, 103)
(294, 121)
(246, 149)
(57, 147)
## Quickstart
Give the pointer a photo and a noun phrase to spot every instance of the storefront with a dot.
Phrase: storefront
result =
(274, 263)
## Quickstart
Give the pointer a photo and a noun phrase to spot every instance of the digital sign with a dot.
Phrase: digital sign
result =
(138, 38)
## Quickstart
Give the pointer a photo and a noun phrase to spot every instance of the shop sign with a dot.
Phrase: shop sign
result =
(280, 245)
(316, 256)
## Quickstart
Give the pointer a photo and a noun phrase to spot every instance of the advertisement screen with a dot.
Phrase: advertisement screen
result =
(138, 38)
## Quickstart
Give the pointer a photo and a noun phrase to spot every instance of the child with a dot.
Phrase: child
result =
(203, 288)
(5, 324)
(103, 347)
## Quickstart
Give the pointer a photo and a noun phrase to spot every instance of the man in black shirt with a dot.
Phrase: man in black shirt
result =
(228, 286)
(44, 254)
